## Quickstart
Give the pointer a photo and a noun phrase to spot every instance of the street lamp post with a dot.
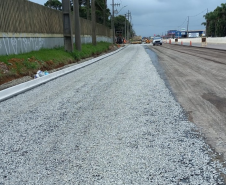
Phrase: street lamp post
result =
(117, 12)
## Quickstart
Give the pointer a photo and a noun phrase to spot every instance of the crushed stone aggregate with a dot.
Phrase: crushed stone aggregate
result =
(113, 122)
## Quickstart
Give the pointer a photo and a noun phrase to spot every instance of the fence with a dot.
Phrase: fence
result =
(26, 26)
(22, 16)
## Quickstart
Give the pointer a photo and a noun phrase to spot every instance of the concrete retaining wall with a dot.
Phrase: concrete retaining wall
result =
(24, 42)
(214, 40)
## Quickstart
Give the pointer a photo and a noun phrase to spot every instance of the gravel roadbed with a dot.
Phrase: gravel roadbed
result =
(113, 122)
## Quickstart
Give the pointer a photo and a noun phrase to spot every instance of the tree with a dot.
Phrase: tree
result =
(102, 12)
(54, 4)
(93, 15)
(88, 9)
(216, 22)
(119, 22)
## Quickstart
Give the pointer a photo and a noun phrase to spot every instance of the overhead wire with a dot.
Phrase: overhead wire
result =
(183, 22)
(192, 16)
(199, 13)
(168, 26)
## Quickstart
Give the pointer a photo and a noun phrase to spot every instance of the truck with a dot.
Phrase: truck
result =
(136, 40)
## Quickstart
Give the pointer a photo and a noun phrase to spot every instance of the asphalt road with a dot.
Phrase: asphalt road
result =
(112, 122)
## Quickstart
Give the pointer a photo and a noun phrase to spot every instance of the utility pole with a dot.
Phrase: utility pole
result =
(67, 29)
(77, 26)
(206, 25)
(93, 9)
(88, 9)
(128, 26)
(112, 23)
(125, 27)
(112, 20)
(187, 26)
(131, 26)
(105, 6)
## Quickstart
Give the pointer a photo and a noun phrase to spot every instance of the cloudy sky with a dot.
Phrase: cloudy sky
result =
(151, 17)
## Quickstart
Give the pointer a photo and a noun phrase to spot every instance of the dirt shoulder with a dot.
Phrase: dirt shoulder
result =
(197, 78)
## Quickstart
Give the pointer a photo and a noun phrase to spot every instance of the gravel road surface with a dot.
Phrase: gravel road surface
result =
(113, 122)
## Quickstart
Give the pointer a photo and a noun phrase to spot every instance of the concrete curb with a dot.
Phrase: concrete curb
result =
(18, 89)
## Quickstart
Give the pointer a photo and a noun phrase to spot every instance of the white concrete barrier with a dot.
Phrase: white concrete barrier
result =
(214, 40)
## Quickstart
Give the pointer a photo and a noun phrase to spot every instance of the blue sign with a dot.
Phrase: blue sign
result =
(178, 34)
(171, 32)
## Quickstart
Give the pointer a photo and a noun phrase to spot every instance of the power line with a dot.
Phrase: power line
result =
(192, 16)
(199, 13)
(177, 26)
(183, 22)
(148, 25)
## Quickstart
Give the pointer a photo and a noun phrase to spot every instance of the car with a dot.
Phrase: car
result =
(157, 41)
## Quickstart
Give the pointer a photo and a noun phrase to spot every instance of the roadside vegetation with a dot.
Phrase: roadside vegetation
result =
(216, 22)
(27, 64)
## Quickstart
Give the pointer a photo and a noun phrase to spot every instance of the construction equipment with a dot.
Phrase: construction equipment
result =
(136, 40)
(147, 41)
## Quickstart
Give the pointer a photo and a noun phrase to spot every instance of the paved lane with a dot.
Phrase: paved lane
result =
(113, 122)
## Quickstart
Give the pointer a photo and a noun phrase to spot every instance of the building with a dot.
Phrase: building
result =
(183, 33)
(196, 33)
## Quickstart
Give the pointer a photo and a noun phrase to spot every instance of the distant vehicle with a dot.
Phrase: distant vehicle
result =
(119, 40)
(157, 41)
(136, 40)
(147, 41)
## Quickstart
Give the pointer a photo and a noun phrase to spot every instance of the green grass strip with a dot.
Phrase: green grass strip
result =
(46, 59)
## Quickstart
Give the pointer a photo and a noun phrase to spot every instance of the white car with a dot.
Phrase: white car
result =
(157, 41)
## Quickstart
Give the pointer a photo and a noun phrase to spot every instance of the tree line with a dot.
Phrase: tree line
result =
(119, 22)
(216, 22)
(103, 14)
